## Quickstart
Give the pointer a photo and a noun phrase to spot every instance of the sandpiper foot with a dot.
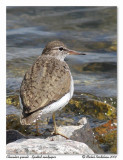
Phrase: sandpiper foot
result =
(58, 133)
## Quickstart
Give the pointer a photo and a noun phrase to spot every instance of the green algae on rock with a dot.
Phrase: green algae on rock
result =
(113, 47)
(94, 108)
(13, 100)
(13, 122)
(96, 67)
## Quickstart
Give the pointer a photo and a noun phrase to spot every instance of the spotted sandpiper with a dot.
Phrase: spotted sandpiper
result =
(48, 85)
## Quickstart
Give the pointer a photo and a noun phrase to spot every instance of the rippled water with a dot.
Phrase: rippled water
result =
(89, 29)
(92, 30)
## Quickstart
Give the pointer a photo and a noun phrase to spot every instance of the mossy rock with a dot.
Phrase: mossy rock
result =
(113, 47)
(13, 122)
(97, 46)
(107, 127)
(102, 46)
(107, 134)
(95, 108)
(13, 100)
(96, 67)
(108, 100)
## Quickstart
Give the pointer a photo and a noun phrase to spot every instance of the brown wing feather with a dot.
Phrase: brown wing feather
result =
(46, 81)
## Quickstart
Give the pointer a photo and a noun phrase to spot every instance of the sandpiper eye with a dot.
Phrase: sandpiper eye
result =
(61, 48)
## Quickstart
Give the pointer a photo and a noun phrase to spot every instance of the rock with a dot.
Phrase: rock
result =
(106, 136)
(13, 100)
(95, 108)
(13, 123)
(81, 133)
(44, 146)
(78, 135)
(13, 135)
(70, 130)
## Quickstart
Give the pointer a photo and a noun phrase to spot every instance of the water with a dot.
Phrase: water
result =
(92, 30)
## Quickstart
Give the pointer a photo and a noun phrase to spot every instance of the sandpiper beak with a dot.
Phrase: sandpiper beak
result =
(75, 52)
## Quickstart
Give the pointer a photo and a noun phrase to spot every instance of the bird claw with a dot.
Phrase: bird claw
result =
(55, 132)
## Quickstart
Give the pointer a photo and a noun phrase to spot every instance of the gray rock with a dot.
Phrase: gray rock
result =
(45, 146)
(13, 135)
(69, 131)
(81, 133)
(78, 136)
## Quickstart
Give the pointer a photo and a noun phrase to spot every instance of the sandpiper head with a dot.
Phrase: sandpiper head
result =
(58, 49)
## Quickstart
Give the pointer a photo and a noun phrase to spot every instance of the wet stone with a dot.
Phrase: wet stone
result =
(13, 135)
(55, 144)
(94, 108)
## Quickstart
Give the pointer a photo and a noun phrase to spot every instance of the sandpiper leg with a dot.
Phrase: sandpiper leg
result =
(54, 122)
(37, 129)
(55, 128)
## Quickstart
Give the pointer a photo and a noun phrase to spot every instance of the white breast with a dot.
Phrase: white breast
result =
(58, 105)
